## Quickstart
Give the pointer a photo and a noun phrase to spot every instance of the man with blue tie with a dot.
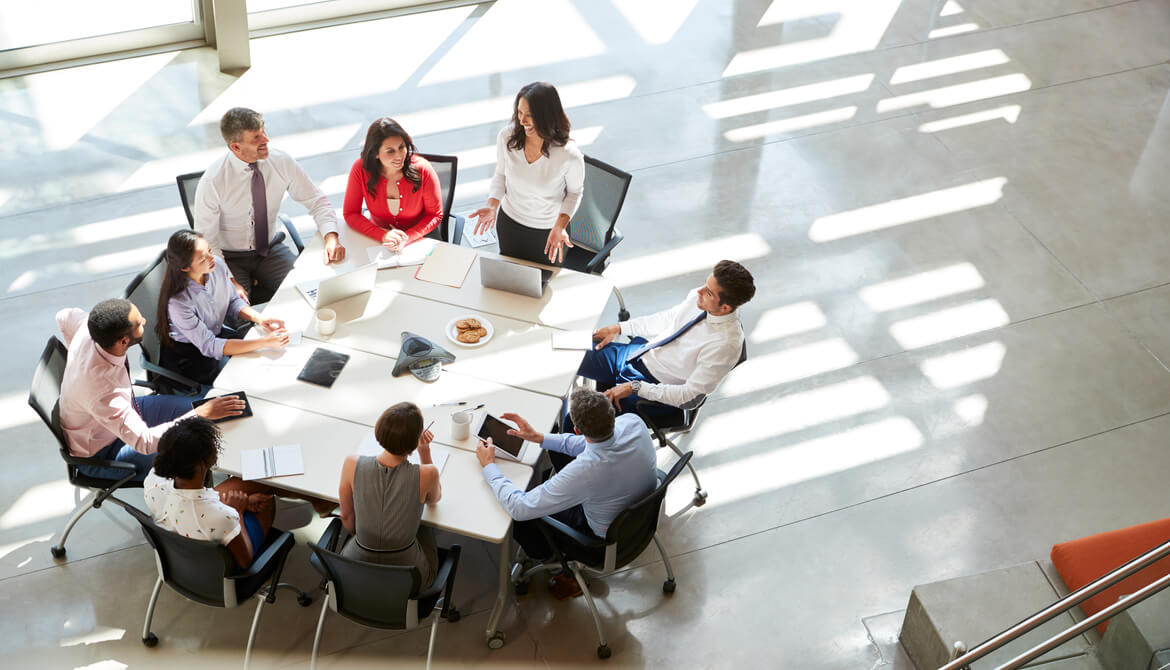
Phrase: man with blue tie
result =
(236, 203)
(676, 357)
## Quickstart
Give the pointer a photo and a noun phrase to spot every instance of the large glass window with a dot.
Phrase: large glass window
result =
(265, 14)
(41, 32)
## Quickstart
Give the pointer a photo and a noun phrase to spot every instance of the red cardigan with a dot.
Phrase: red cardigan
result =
(419, 212)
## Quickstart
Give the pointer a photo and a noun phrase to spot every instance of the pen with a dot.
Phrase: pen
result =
(453, 402)
(429, 426)
(472, 409)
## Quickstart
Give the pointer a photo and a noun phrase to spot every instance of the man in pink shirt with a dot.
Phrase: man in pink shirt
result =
(100, 415)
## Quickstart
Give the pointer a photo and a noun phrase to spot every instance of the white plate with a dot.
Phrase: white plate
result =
(452, 331)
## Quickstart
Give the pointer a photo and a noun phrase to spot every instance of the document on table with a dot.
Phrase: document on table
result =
(272, 462)
(412, 254)
(370, 447)
(580, 340)
(483, 239)
(447, 265)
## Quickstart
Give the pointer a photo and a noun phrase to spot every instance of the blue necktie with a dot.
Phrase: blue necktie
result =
(667, 340)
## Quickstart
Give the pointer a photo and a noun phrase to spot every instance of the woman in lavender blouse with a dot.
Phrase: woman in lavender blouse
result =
(197, 297)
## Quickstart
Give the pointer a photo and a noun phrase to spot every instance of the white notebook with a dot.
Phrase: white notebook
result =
(272, 462)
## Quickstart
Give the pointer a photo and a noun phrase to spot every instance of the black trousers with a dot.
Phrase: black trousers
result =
(519, 241)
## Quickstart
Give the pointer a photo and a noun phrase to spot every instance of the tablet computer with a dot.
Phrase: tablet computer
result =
(240, 394)
(510, 445)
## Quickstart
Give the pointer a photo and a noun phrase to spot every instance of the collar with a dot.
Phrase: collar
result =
(733, 315)
(239, 165)
(116, 361)
(193, 285)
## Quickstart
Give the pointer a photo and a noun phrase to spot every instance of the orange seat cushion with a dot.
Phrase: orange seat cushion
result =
(1082, 561)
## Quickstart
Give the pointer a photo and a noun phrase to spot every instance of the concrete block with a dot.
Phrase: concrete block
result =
(974, 608)
(1134, 636)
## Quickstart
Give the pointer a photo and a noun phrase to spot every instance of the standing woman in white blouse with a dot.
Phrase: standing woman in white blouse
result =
(540, 175)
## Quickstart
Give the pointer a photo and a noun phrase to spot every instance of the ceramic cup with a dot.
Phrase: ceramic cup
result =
(326, 321)
(461, 425)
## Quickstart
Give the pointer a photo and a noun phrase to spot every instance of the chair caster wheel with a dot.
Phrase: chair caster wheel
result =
(496, 641)
(57, 552)
(521, 588)
(700, 497)
(150, 640)
(453, 615)
(604, 652)
(304, 599)
(668, 586)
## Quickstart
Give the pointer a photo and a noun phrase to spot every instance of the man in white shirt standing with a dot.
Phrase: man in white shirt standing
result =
(679, 356)
(238, 198)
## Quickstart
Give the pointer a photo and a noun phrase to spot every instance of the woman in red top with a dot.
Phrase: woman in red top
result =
(400, 189)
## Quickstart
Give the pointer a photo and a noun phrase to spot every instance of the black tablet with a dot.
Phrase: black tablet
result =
(240, 394)
(323, 367)
(498, 431)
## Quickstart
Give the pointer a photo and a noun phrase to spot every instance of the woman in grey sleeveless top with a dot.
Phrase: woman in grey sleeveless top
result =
(382, 497)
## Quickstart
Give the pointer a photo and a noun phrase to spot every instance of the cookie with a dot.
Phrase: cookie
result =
(473, 323)
(481, 331)
(470, 336)
(462, 325)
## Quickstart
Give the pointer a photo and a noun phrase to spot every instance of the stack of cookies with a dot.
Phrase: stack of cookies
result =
(470, 331)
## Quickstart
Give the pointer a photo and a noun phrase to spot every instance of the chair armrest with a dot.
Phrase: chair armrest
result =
(457, 232)
(640, 408)
(588, 541)
(593, 266)
(443, 574)
(169, 374)
(292, 232)
(281, 545)
(328, 539)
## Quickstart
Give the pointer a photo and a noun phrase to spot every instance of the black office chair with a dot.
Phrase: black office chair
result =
(189, 182)
(144, 291)
(44, 396)
(447, 168)
(381, 596)
(630, 533)
(206, 573)
(593, 228)
(666, 419)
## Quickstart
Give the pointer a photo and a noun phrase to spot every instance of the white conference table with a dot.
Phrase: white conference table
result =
(517, 371)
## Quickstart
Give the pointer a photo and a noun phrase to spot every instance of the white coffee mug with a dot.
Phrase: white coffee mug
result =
(326, 321)
(461, 425)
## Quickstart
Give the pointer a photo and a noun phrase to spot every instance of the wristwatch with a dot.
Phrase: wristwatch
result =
(637, 386)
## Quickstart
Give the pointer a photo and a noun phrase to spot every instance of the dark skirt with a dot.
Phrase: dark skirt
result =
(519, 241)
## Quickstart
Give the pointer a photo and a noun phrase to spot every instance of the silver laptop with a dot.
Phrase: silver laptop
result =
(323, 292)
(513, 277)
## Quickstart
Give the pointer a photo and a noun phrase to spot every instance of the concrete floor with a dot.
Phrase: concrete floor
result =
(956, 213)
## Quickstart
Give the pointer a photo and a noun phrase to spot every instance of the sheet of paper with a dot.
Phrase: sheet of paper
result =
(581, 340)
(294, 337)
(370, 447)
(277, 461)
(483, 239)
(447, 265)
(414, 254)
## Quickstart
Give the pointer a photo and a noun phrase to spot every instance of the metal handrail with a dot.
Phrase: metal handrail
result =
(1063, 605)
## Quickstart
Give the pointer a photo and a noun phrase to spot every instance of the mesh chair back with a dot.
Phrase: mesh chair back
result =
(44, 394)
(634, 528)
(143, 291)
(187, 184)
(378, 596)
(605, 193)
(447, 169)
(194, 568)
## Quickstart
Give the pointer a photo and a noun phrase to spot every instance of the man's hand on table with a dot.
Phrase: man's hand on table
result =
(334, 252)
(218, 408)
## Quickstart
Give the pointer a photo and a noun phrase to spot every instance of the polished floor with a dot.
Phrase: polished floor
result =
(957, 213)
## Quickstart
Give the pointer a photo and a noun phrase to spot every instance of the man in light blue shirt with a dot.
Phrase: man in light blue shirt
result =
(612, 466)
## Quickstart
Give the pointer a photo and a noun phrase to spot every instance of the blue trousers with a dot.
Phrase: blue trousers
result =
(155, 409)
(609, 367)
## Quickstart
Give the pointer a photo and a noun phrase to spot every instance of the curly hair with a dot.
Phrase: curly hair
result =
(109, 321)
(189, 443)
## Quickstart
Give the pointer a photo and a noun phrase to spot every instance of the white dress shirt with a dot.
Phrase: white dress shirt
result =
(536, 194)
(690, 367)
(223, 200)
